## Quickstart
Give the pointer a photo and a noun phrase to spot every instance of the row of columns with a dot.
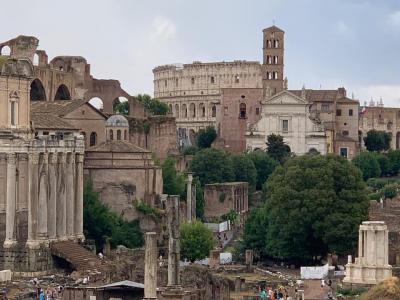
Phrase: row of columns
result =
(55, 198)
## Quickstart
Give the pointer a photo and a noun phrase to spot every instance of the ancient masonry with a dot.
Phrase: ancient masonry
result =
(41, 180)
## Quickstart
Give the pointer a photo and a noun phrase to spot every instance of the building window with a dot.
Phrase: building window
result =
(118, 135)
(192, 80)
(285, 125)
(276, 43)
(226, 110)
(276, 60)
(325, 107)
(350, 112)
(338, 112)
(257, 110)
(242, 109)
(214, 111)
(111, 134)
(343, 152)
(237, 79)
(93, 139)
(13, 113)
(125, 135)
(165, 83)
(212, 79)
(345, 132)
(176, 82)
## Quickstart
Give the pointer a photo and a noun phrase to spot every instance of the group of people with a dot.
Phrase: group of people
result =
(49, 293)
(277, 294)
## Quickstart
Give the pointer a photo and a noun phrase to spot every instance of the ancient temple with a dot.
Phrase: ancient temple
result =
(371, 266)
(41, 176)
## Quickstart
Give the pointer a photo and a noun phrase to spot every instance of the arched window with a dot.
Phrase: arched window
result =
(269, 45)
(62, 93)
(97, 103)
(125, 135)
(118, 135)
(111, 134)
(93, 139)
(276, 60)
(13, 113)
(276, 43)
(269, 59)
(177, 110)
(170, 108)
(212, 79)
(176, 82)
(242, 111)
(202, 109)
(192, 80)
(37, 92)
(237, 79)
(121, 106)
(214, 111)
(192, 109)
(275, 75)
(184, 111)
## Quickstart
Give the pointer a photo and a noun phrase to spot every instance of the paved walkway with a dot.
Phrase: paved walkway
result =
(314, 291)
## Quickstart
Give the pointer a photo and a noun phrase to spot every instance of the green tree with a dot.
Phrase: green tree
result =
(205, 137)
(255, 231)
(314, 204)
(368, 164)
(196, 240)
(99, 223)
(199, 198)
(121, 107)
(151, 105)
(276, 148)
(390, 190)
(212, 166)
(394, 161)
(173, 181)
(377, 140)
(384, 163)
(264, 165)
(245, 170)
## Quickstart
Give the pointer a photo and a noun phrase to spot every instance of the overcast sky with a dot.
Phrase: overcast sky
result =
(329, 43)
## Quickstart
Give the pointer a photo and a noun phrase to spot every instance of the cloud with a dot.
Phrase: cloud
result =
(162, 29)
(394, 18)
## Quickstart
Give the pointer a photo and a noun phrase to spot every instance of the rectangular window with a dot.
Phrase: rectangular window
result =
(212, 79)
(343, 152)
(338, 112)
(350, 112)
(285, 125)
(226, 110)
(257, 110)
(345, 132)
(325, 107)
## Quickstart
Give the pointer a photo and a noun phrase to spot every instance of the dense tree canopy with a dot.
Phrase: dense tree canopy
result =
(377, 140)
(173, 181)
(394, 161)
(154, 106)
(314, 204)
(368, 164)
(264, 165)
(196, 240)
(205, 137)
(276, 148)
(212, 166)
(244, 170)
(121, 107)
(100, 223)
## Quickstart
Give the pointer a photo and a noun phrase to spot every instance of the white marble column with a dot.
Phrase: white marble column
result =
(43, 195)
(189, 197)
(10, 240)
(52, 200)
(78, 228)
(70, 197)
(150, 267)
(61, 200)
(360, 243)
(33, 194)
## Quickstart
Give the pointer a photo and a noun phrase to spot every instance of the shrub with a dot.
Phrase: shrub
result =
(368, 164)
(390, 191)
(145, 208)
(196, 240)
(374, 196)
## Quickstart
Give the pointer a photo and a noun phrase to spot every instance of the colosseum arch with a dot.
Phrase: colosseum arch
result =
(176, 110)
(202, 110)
(184, 111)
(97, 103)
(192, 110)
(5, 50)
(37, 92)
(62, 93)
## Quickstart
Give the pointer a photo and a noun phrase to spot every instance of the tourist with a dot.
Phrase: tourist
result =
(41, 295)
(48, 294)
(322, 283)
(101, 256)
(263, 294)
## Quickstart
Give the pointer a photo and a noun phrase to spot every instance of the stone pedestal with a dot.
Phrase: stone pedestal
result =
(371, 266)
(150, 267)
(173, 293)
(214, 259)
(249, 258)
(238, 284)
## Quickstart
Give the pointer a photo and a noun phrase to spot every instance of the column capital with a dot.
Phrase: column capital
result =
(53, 158)
(79, 158)
(45, 158)
(11, 158)
(70, 158)
(34, 158)
(62, 158)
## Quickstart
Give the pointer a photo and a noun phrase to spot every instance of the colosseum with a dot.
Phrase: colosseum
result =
(193, 91)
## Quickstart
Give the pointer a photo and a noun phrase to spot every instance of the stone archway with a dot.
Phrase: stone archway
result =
(37, 92)
(62, 93)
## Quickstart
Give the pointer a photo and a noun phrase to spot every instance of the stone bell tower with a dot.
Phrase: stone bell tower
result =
(273, 61)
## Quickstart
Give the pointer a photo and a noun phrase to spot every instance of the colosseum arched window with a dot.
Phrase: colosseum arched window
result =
(177, 110)
(184, 111)
(202, 109)
(214, 111)
(192, 110)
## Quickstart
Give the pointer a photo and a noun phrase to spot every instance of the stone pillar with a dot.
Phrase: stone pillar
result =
(173, 245)
(238, 284)
(194, 202)
(78, 227)
(214, 261)
(33, 201)
(360, 243)
(189, 197)
(10, 240)
(42, 209)
(52, 202)
(249, 258)
(70, 195)
(61, 201)
(150, 266)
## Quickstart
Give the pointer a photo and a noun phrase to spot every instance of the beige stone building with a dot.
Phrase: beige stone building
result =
(41, 177)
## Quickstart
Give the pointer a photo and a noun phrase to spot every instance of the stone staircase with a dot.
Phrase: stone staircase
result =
(80, 258)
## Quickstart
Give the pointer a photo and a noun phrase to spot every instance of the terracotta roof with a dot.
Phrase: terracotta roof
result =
(323, 96)
(59, 107)
(49, 121)
(117, 146)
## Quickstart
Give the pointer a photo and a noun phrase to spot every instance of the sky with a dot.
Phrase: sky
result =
(328, 43)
